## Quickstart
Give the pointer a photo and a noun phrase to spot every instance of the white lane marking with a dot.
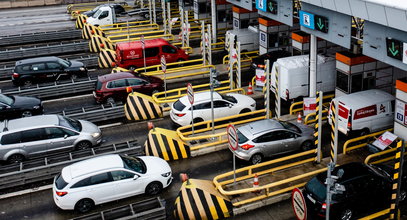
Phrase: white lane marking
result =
(110, 125)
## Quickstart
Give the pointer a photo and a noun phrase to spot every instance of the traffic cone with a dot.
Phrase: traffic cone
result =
(299, 118)
(250, 89)
(150, 125)
(256, 183)
(184, 177)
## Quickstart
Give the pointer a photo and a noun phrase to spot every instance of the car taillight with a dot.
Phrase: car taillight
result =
(179, 115)
(287, 94)
(247, 146)
(260, 66)
(350, 120)
(60, 194)
(324, 206)
(16, 75)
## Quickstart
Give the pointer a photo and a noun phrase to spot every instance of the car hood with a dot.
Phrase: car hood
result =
(89, 127)
(20, 101)
(155, 165)
(76, 64)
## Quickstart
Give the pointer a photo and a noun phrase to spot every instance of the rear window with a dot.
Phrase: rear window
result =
(317, 188)
(179, 106)
(241, 138)
(13, 138)
(60, 182)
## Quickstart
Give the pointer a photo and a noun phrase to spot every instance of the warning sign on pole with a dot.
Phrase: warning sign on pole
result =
(299, 206)
(232, 137)
(163, 64)
(310, 105)
(190, 93)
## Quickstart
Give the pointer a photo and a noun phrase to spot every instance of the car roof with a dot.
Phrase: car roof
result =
(258, 127)
(114, 76)
(351, 170)
(365, 98)
(201, 97)
(148, 43)
(37, 121)
(92, 165)
(37, 59)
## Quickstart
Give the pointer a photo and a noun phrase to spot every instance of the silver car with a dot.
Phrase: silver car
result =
(270, 137)
(25, 137)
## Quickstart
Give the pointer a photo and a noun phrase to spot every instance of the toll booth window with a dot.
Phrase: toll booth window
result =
(342, 81)
(203, 7)
(273, 40)
(357, 83)
(152, 52)
(244, 23)
(168, 49)
(224, 15)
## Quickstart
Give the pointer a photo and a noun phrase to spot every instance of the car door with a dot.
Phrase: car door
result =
(125, 183)
(60, 138)
(268, 143)
(33, 141)
(39, 71)
(104, 18)
(102, 188)
(118, 88)
(54, 70)
(289, 141)
(152, 56)
(222, 108)
(6, 111)
(170, 53)
(203, 110)
(138, 85)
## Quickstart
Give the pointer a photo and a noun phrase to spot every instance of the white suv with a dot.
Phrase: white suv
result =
(106, 178)
(223, 104)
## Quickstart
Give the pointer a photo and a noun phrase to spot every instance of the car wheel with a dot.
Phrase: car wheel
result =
(27, 82)
(346, 214)
(244, 111)
(256, 159)
(111, 101)
(15, 158)
(154, 188)
(83, 145)
(197, 120)
(180, 60)
(84, 205)
(364, 132)
(307, 145)
(26, 114)
(403, 195)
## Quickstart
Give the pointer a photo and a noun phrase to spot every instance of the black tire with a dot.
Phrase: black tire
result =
(111, 101)
(154, 188)
(83, 145)
(180, 60)
(256, 159)
(244, 111)
(27, 82)
(26, 113)
(84, 205)
(346, 214)
(364, 132)
(15, 158)
(307, 145)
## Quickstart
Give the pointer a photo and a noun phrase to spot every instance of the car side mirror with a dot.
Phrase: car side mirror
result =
(65, 136)
(230, 105)
(136, 177)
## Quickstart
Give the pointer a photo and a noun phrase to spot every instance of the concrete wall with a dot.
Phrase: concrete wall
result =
(29, 3)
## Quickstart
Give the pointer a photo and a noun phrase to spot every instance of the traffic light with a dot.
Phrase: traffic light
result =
(321, 23)
(272, 6)
(394, 48)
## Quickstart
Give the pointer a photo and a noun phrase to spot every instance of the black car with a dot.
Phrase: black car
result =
(367, 190)
(39, 69)
(118, 8)
(19, 106)
(259, 61)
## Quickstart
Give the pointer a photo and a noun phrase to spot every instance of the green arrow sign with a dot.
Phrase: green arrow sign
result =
(320, 25)
(393, 50)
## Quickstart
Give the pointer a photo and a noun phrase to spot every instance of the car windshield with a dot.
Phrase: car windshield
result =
(96, 15)
(70, 123)
(229, 98)
(379, 171)
(290, 126)
(317, 188)
(241, 138)
(60, 182)
(134, 163)
(64, 63)
(6, 100)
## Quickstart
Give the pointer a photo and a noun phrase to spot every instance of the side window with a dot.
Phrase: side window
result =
(121, 175)
(26, 67)
(117, 84)
(82, 183)
(54, 133)
(101, 178)
(265, 138)
(104, 14)
(69, 132)
(32, 135)
(53, 66)
(12, 138)
(220, 104)
(168, 49)
(38, 66)
(134, 82)
(151, 52)
(284, 135)
(206, 105)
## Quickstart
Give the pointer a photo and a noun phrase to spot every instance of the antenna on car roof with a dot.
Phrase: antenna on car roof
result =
(5, 125)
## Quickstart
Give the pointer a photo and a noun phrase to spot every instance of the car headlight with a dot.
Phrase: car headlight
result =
(36, 107)
(253, 105)
(166, 174)
(82, 69)
(96, 134)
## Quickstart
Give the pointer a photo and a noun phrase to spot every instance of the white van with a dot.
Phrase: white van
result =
(364, 112)
(293, 75)
(248, 38)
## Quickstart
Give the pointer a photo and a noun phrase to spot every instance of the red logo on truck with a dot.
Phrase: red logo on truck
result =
(343, 112)
(366, 112)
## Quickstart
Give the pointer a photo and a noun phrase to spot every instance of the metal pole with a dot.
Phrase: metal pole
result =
(331, 165)
(234, 170)
(212, 110)
(336, 133)
(231, 47)
(186, 28)
(164, 14)
(313, 67)
(238, 71)
(214, 25)
(192, 115)
(319, 153)
(149, 11)
(267, 87)
(154, 13)
(169, 18)
(182, 28)
(209, 45)
(203, 42)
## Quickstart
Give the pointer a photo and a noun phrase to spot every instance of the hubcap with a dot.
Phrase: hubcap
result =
(154, 189)
(347, 214)
(256, 159)
(26, 114)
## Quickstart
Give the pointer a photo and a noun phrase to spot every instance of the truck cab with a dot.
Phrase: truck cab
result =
(105, 15)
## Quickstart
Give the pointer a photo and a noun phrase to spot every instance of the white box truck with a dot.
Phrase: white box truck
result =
(248, 38)
(293, 75)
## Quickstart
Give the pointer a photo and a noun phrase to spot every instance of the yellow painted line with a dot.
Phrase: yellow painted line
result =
(223, 206)
(172, 147)
(162, 147)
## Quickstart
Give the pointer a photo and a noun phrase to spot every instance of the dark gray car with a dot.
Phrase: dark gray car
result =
(270, 137)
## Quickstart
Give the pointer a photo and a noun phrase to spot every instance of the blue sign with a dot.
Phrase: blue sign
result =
(261, 5)
(307, 20)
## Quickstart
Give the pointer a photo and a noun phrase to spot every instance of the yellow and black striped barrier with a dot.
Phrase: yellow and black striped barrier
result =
(89, 30)
(106, 58)
(80, 21)
(398, 164)
(332, 151)
(141, 107)
(198, 199)
(316, 127)
(166, 144)
(277, 94)
(98, 43)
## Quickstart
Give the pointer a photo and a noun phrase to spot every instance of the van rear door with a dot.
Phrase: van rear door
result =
(343, 117)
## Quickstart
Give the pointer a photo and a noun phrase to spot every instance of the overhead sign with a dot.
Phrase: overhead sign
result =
(401, 113)
(321, 23)
(232, 137)
(307, 20)
(190, 93)
(163, 64)
(299, 206)
(394, 48)
(261, 5)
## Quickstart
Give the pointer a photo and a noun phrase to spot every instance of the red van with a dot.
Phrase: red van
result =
(129, 55)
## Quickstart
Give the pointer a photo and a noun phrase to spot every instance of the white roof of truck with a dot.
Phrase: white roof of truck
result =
(364, 98)
(300, 61)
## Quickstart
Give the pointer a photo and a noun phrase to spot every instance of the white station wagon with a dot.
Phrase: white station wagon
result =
(106, 178)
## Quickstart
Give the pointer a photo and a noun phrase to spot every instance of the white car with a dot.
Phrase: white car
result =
(224, 105)
(106, 178)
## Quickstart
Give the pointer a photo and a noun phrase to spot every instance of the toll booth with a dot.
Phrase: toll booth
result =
(202, 9)
(243, 18)
(301, 43)
(185, 5)
(400, 122)
(274, 35)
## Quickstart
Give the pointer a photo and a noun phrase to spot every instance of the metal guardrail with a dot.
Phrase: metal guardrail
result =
(97, 113)
(39, 37)
(42, 169)
(327, 99)
(361, 141)
(89, 61)
(17, 54)
(152, 208)
(56, 89)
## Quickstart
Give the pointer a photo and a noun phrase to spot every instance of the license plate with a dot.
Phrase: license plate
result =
(311, 199)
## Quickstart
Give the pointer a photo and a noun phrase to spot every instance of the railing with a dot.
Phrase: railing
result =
(326, 100)
(19, 39)
(361, 141)
(95, 114)
(381, 157)
(376, 215)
